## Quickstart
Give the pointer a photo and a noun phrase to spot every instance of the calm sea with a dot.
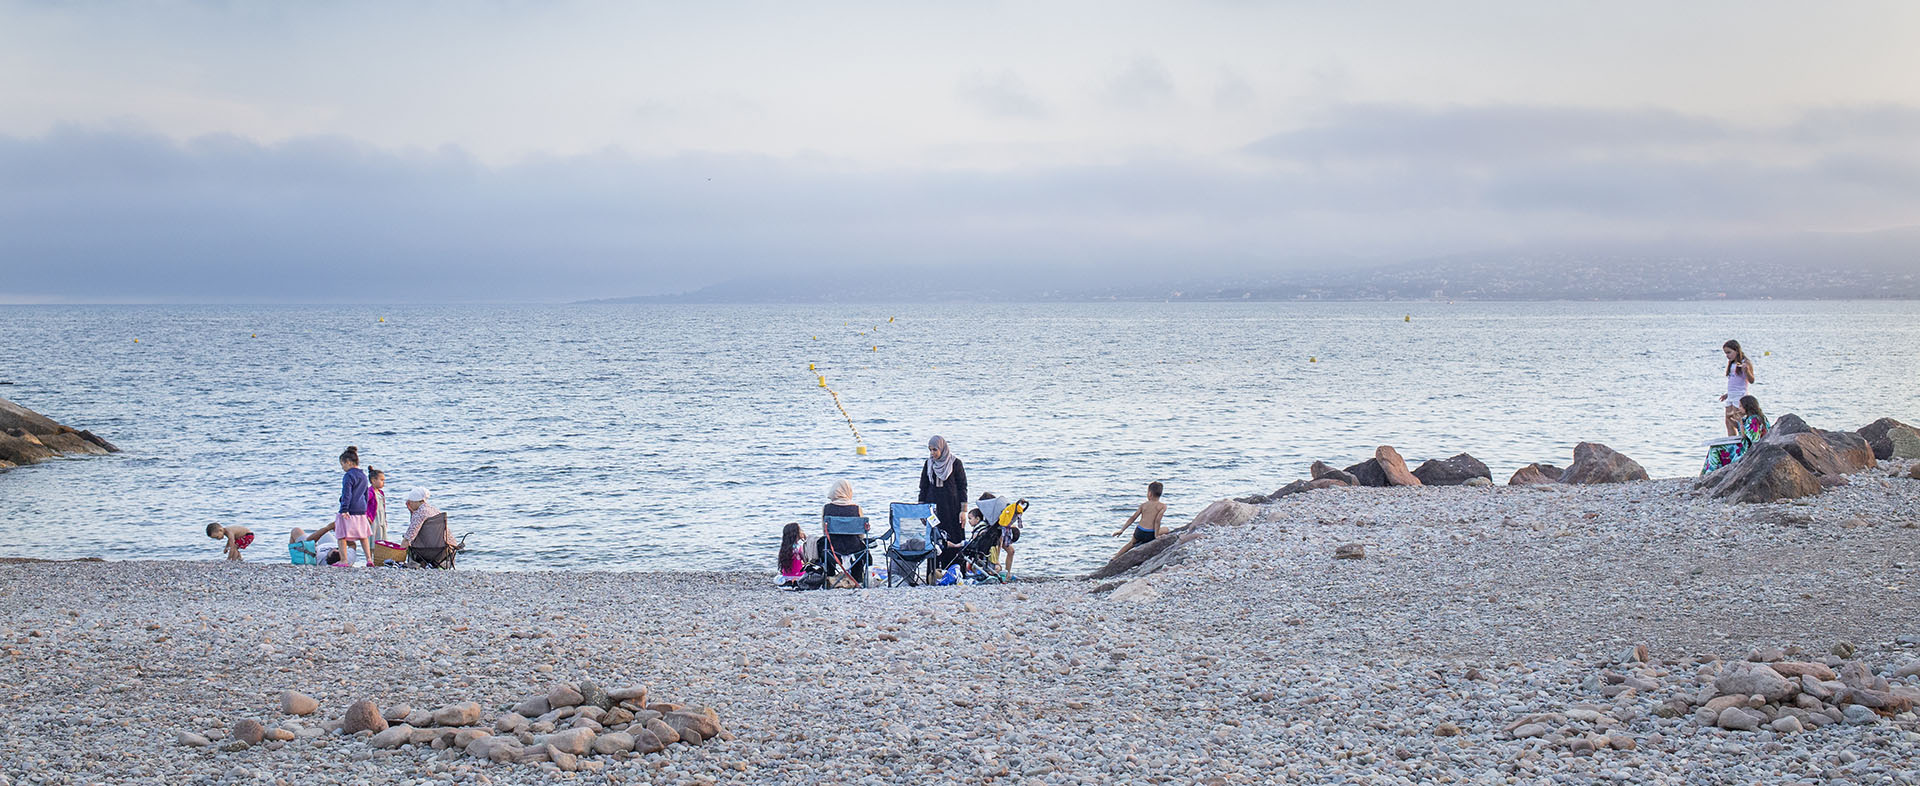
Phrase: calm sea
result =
(683, 437)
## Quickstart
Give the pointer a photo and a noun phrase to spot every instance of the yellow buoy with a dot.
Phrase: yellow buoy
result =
(823, 381)
(889, 320)
(136, 341)
(383, 319)
(1768, 353)
(876, 349)
(1311, 359)
(255, 335)
(809, 366)
(860, 450)
(1408, 319)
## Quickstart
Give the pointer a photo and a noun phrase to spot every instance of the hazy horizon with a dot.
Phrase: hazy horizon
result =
(492, 152)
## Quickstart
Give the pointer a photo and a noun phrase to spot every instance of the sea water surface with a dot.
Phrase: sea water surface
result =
(682, 437)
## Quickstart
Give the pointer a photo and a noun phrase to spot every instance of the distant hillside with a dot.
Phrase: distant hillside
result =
(1877, 265)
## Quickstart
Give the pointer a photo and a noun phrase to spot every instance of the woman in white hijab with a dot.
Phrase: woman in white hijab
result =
(943, 484)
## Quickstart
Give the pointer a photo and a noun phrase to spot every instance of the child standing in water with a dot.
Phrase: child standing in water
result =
(352, 525)
(1145, 519)
(1739, 376)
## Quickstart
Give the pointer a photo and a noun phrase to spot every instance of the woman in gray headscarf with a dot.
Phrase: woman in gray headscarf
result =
(943, 484)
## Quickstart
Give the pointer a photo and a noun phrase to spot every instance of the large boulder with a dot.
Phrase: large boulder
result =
(1535, 475)
(1451, 471)
(1321, 471)
(1789, 424)
(1596, 463)
(1766, 473)
(70, 441)
(1134, 556)
(14, 416)
(1394, 467)
(1811, 451)
(1368, 473)
(1879, 434)
(1853, 450)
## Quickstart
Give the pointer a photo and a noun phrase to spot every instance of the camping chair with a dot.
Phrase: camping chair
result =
(854, 563)
(911, 545)
(431, 546)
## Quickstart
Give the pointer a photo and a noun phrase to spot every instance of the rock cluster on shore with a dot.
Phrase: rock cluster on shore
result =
(563, 728)
(1796, 460)
(28, 437)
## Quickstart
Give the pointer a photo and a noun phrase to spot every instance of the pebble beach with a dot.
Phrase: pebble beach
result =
(1506, 634)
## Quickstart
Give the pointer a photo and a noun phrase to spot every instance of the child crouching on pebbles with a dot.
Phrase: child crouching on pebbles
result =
(792, 557)
(238, 538)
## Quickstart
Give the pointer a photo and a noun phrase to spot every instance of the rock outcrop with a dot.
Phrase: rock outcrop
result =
(1322, 471)
(1164, 550)
(1596, 463)
(1451, 471)
(1368, 473)
(1394, 467)
(28, 437)
(1891, 439)
(1795, 460)
(1535, 475)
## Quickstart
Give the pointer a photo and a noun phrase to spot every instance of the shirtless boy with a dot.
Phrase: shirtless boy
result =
(1145, 520)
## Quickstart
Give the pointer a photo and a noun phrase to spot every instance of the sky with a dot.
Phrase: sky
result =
(448, 151)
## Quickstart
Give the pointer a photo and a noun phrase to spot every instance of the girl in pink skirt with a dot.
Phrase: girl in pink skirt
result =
(352, 526)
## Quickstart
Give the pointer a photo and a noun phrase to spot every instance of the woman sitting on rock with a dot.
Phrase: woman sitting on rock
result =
(1752, 426)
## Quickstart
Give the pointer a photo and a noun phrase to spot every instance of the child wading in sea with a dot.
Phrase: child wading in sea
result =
(238, 538)
(352, 525)
(791, 557)
(1145, 519)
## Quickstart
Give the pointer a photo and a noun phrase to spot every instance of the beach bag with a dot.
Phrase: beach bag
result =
(384, 551)
(303, 553)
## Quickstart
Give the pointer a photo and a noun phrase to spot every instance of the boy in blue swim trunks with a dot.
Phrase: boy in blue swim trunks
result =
(1146, 520)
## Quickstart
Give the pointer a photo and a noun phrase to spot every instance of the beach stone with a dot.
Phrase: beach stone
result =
(392, 737)
(1794, 669)
(481, 747)
(294, 703)
(191, 740)
(1350, 551)
(1323, 471)
(532, 708)
(1766, 473)
(1394, 467)
(576, 740)
(1855, 674)
(397, 713)
(613, 742)
(1739, 719)
(249, 731)
(510, 723)
(704, 720)
(636, 694)
(1446, 729)
(1222, 513)
(592, 695)
(1752, 679)
(563, 695)
(1888, 701)
(280, 735)
(566, 761)
(465, 713)
(1858, 715)
(1767, 655)
(1842, 649)
(418, 719)
(1454, 471)
(1530, 730)
(1912, 669)
(1326, 483)
(645, 741)
(1477, 483)
(1595, 463)
(1786, 724)
(660, 729)
(1719, 703)
(1535, 475)
(464, 737)
(1369, 473)
(362, 716)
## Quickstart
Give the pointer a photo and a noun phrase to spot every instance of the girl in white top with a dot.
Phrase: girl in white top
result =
(1739, 376)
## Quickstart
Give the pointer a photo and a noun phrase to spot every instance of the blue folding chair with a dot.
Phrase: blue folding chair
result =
(854, 563)
(911, 545)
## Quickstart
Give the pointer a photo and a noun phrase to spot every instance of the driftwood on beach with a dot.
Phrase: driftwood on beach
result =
(28, 437)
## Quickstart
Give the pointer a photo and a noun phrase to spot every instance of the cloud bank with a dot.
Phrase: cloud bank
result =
(92, 214)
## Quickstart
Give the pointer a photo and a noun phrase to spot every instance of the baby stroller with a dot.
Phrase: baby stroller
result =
(910, 552)
(976, 555)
